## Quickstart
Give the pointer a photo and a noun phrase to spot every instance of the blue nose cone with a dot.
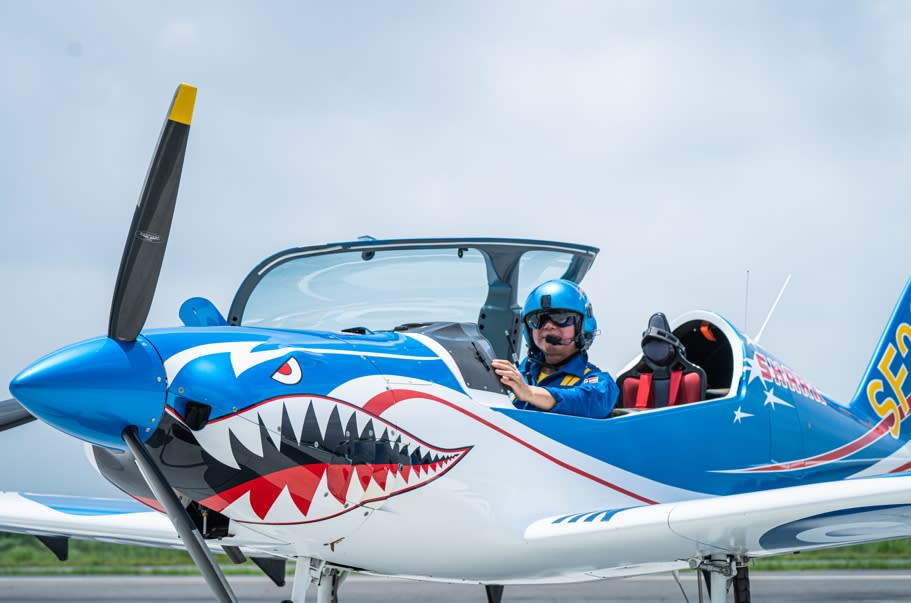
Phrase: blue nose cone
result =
(93, 390)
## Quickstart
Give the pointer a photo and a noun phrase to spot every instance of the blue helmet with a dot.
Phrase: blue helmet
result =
(561, 294)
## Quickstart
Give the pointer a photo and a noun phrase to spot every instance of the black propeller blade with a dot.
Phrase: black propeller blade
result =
(140, 267)
(144, 250)
(12, 414)
(178, 515)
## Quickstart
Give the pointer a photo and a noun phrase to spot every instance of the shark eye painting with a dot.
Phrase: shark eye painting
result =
(288, 373)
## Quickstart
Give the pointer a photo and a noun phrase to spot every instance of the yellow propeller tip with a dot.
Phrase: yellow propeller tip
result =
(182, 107)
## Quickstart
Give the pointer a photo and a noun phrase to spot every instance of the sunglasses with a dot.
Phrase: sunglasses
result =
(561, 318)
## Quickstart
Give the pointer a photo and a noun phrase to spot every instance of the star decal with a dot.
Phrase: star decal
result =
(752, 365)
(739, 415)
(772, 399)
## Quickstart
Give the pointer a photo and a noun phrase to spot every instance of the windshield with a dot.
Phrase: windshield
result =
(377, 289)
(535, 267)
(381, 285)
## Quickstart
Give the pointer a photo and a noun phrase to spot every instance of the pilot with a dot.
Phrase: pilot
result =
(556, 376)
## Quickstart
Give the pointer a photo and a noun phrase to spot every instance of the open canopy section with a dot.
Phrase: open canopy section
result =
(381, 285)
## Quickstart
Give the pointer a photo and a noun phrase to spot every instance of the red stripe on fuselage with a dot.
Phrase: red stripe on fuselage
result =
(379, 403)
(382, 402)
(902, 468)
(881, 429)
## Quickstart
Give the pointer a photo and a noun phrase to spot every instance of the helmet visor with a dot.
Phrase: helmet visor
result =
(561, 318)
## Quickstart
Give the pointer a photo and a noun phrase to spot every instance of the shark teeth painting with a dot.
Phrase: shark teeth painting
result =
(305, 458)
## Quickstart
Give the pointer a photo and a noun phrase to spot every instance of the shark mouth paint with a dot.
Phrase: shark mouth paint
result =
(300, 459)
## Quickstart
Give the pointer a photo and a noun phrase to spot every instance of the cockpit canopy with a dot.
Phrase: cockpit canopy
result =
(381, 285)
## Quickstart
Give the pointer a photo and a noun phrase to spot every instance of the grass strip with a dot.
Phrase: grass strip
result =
(25, 555)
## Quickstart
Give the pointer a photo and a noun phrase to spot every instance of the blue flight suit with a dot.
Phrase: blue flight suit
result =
(579, 387)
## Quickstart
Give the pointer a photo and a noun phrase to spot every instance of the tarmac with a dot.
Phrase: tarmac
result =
(779, 587)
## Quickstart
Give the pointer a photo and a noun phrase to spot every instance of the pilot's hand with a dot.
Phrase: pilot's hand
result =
(510, 377)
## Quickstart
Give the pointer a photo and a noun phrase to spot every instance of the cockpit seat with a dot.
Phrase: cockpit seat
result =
(663, 377)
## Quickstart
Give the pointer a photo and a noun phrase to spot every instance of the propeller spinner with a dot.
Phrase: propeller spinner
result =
(95, 389)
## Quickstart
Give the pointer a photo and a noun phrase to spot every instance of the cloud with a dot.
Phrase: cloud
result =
(179, 36)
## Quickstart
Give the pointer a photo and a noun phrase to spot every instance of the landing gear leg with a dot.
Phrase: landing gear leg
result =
(301, 581)
(494, 592)
(742, 585)
(718, 571)
(327, 583)
(719, 586)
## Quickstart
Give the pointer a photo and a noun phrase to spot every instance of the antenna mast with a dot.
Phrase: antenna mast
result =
(772, 309)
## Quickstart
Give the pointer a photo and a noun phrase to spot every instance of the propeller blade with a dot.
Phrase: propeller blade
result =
(144, 250)
(13, 414)
(178, 515)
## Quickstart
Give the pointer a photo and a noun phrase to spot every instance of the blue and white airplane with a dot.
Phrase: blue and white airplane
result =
(344, 416)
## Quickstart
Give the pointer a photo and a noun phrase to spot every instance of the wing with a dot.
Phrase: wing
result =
(122, 521)
(756, 524)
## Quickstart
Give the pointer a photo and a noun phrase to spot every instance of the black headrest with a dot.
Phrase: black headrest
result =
(659, 345)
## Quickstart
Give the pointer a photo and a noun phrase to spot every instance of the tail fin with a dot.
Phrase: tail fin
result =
(885, 389)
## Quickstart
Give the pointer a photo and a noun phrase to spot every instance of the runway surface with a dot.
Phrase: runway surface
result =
(780, 587)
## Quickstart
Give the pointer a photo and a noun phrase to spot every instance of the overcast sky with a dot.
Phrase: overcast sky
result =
(691, 142)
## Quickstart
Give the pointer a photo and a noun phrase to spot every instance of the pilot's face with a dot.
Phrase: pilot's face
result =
(562, 342)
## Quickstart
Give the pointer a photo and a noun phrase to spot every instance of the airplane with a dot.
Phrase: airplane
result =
(343, 416)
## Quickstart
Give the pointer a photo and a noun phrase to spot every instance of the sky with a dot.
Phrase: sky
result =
(693, 143)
